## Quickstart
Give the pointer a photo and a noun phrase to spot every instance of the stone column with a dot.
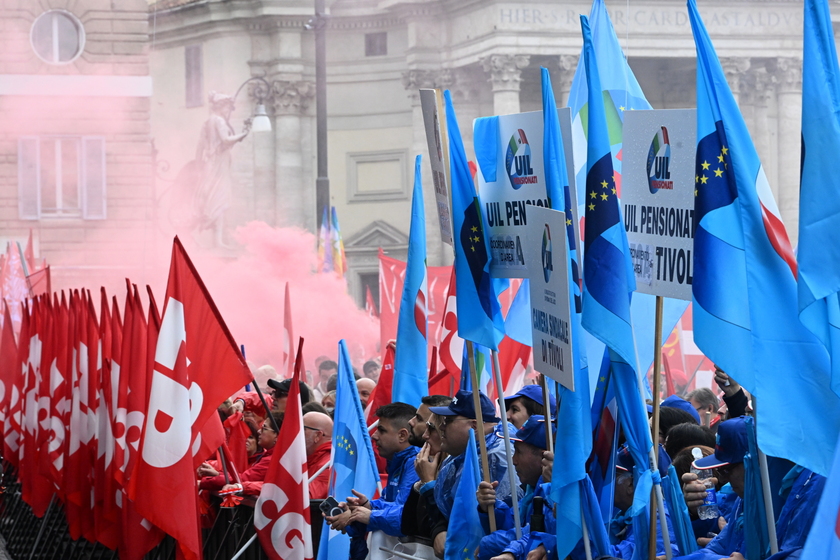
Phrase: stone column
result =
(734, 69)
(291, 99)
(505, 75)
(413, 81)
(567, 64)
(763, 86)
(789, 76)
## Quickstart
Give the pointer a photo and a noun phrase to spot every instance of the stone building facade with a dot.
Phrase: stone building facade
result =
(487, 52)
(75, 149)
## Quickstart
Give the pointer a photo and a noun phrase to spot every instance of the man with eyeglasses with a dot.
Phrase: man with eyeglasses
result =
(459, 418)
(417, 424)
(280, 392)
(317, 433)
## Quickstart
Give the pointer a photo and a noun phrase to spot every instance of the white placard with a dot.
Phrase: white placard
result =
(545, 256)
(657, 197)
(431, 103)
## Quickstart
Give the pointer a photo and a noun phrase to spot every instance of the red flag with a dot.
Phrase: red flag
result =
(197, 366)
(370, 305)
(239, 434)
(59, 373)
(12, 429)
(288, 358)
(9, 371)
(138, 535)
(451, 349)
(391, 276)
(513, 364)
(281, 515)
(382, 393)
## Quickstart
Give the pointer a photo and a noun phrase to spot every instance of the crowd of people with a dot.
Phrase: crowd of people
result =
(421, 452)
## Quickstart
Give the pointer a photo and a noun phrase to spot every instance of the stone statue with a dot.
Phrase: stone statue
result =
(213, 194)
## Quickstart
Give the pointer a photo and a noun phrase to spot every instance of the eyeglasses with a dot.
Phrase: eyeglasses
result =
(279, 394)
(266, 429)
(313, 429)
(431, 427)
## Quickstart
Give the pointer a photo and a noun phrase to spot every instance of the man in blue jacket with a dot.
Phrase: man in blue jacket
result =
(391, 438)
(529, 444)
(458, 418)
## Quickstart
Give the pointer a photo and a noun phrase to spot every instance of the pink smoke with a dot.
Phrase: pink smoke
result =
(248, 291)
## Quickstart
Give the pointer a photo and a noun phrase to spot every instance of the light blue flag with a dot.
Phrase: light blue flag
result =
(745, 303)
(574, 418)
(608, 282)
(479, 314)
(354, 465)
(819, 194)
(464, 531)
(411, 372)
(824, 539)
(620, 93)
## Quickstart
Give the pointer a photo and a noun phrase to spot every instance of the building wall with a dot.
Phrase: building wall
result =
(105, 93)
(488, 53)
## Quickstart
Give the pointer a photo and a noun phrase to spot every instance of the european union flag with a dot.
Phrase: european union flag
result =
(479, 315)
(745, 301)
(819, 193)
(354, 465)
(464, 531)
(620, 93)
(411, 374)
(607, 284)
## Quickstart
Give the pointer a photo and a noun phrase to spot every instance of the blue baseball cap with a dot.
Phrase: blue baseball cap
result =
(532, 432)
(534, 392)
(462, 405)
(678, 402)
(730, 445)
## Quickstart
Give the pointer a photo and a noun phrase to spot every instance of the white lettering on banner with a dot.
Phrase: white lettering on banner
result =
(270, 493)
(173, 332)
(173, 408)
(169, 429)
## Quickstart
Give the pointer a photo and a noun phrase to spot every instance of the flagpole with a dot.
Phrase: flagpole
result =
(765, 489)
(657, 359)
(549, 425)
(587, 548)
(479, 420)
(244, 547)
(497, 373)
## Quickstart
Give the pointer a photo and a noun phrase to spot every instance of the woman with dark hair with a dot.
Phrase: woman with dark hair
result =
(685, 435)
(670, 417)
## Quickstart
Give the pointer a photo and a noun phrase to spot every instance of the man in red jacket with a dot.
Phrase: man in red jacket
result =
(317, 429)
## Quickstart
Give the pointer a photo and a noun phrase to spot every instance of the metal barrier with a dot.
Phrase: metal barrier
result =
(30, 538)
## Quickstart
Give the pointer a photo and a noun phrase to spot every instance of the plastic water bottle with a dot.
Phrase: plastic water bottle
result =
(709, 509)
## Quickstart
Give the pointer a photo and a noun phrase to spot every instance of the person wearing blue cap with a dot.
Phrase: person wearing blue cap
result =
(795, 519)
(458, 418)
(527, 402)
(529, 443)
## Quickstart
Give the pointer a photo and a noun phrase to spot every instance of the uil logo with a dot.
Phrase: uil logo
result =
(518, 161)
(658, 162)
(547, 264)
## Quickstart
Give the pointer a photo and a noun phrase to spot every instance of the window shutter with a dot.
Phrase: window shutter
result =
(94, 202)
(29, 179)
